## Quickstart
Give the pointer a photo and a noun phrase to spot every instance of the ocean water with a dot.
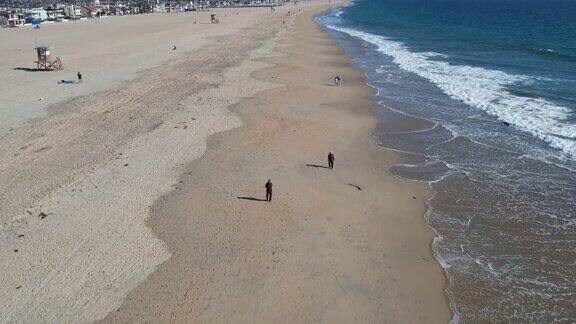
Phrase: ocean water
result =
(479, 97)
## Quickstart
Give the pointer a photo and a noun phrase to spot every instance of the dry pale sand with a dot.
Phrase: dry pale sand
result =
(96, 163)
(322, 251)
(107, 51)
(104, 165)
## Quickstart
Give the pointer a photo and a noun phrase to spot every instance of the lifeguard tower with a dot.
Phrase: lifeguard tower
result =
(45, 61)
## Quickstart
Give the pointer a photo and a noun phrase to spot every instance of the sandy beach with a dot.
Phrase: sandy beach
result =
(137, 196)
(106, 51)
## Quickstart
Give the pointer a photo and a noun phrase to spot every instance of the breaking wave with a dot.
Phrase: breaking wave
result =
(484, 89)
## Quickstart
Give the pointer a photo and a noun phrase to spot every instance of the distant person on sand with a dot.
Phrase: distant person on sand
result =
(268, 191)
(331, 159)
(337, 80)
(173, 47)
(79, 75)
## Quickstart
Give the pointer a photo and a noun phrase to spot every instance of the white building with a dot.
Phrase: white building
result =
(37, 13)
(55, 15)
(72, 11)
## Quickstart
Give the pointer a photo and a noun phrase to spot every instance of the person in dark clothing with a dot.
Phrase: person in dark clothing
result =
(331, 160)
(268, 191)
(79, 75)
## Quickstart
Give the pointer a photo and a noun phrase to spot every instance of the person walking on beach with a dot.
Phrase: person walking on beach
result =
(337, 80)
(331, 159)
(79, 75)
(268, 191)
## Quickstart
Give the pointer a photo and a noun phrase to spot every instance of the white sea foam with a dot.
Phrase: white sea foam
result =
(484, 89)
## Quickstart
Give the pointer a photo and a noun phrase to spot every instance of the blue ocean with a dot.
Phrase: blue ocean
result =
(479, 98)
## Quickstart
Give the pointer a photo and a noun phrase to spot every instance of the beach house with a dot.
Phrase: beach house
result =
(36, 14)
(11, 18)
(73, 11)
(55, 14)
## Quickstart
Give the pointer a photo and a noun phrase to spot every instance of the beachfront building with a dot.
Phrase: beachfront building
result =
(15, 17)
(159, 6)
(11, 18)
(132, 10)
(55, 14)
(197, 5)
(73, 11)
(36, 14)
(141, 6)
(91, 11)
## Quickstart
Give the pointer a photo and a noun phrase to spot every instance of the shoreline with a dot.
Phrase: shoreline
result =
(197, 221)
(401, 121)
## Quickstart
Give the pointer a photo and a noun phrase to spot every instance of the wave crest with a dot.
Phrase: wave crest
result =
(484, 89)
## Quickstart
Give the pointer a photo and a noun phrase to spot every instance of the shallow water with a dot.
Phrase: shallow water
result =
(490, 122)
